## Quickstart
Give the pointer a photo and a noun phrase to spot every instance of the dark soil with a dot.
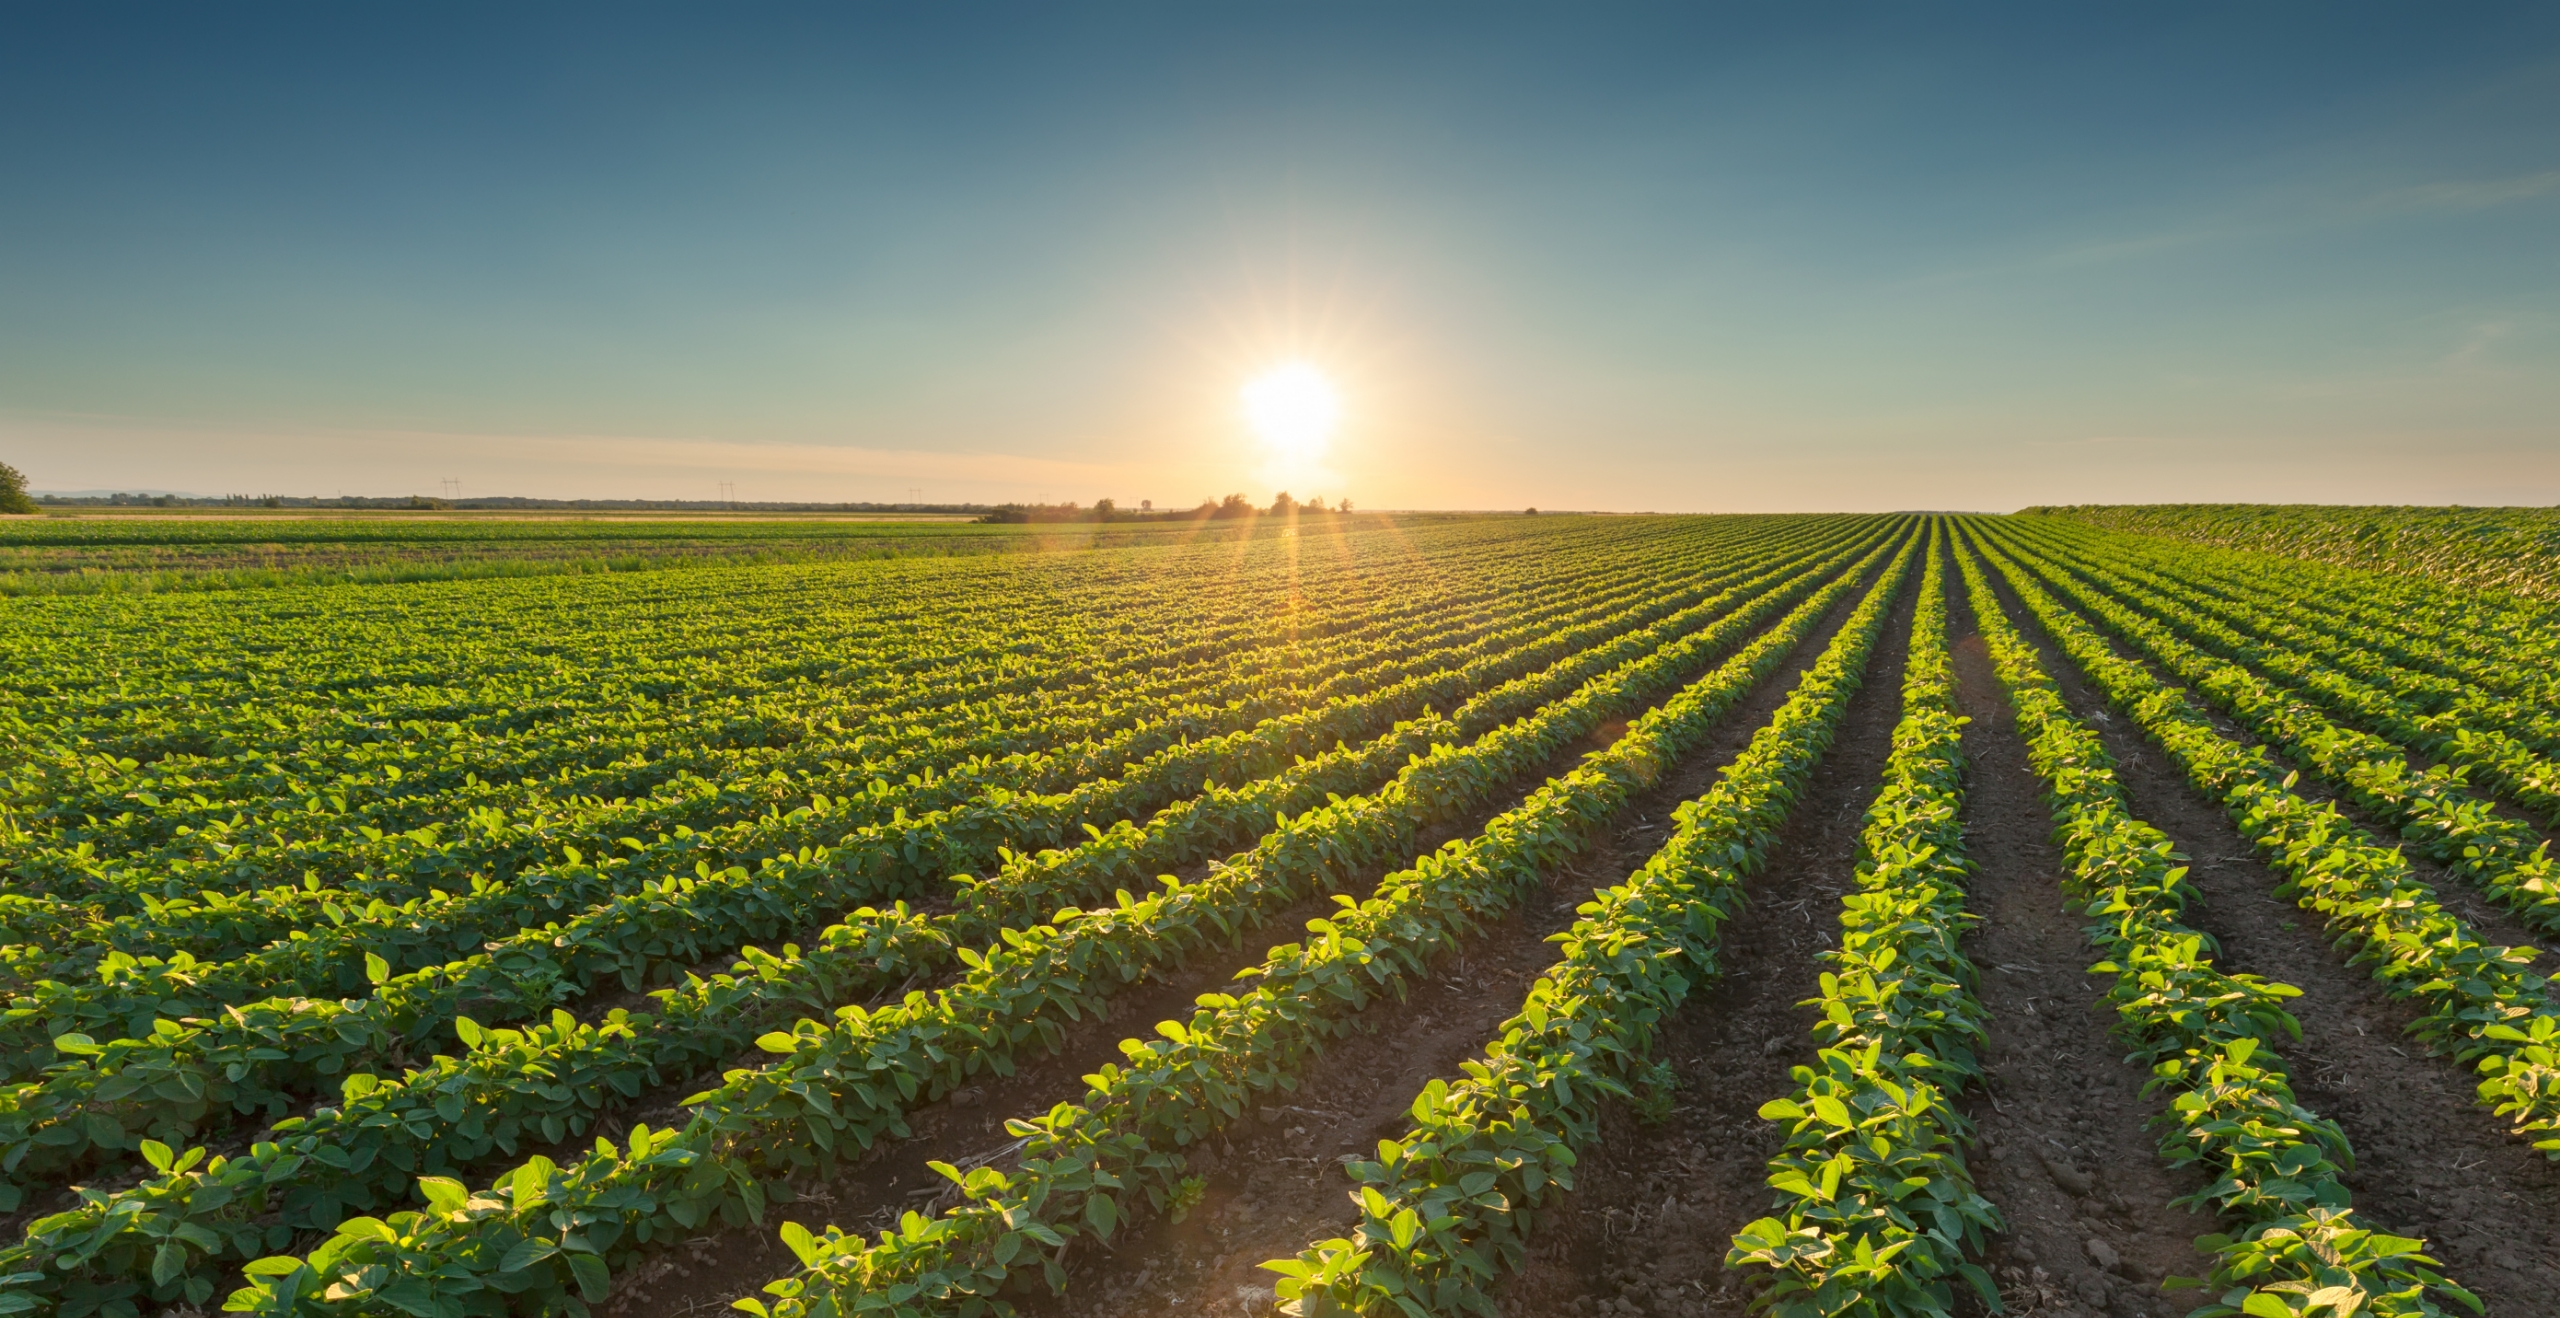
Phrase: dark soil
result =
(1655, 1205)
(2063, 1143)
(1277, 1185)
(1282, 1163)
(2429, 1161)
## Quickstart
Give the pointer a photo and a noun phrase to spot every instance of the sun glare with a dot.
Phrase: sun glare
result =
(1294, 408)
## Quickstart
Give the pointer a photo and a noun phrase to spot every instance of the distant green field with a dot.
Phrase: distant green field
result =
(2514, 549)
(150, 553)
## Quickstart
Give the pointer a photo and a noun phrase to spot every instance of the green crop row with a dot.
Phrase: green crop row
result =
(514, 696)
(2483, 639)
(1445, 1209)
(2487, 755)
(441, 926)
(2515, 549)
(2455, 697)
(1877, 1209)
(515, 1082)
(2504, 857)
(165, 1084)
(849, 1082)
(938, 729)
(958, 838)
(2483, 1004)
(694, 696)
(2273, 1167)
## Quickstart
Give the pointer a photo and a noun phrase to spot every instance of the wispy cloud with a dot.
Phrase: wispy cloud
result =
(2258, 218)
(2462, 194)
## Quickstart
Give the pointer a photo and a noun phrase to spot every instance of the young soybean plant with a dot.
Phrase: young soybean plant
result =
(1877, 1210)
(2297, 1246)
(2484, 1004)
(1445, 1209)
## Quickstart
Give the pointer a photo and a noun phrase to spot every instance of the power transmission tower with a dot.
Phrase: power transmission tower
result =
(729, 494)
(452, 488)
(915, 495)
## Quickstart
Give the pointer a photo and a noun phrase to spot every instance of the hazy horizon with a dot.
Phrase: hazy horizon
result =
(1676, 260)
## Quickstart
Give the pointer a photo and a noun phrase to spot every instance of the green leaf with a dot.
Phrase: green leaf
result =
(2260, 1304)
(443, 1193)
(595, 1281)
(802, 1245)
(526, 1253)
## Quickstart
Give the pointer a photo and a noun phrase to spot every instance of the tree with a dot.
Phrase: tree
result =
(1282, 505)
(13, 491)
(1103, 508)
(1235, 505)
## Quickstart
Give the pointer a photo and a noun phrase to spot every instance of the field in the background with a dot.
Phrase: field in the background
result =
(2510, 549)
(1545, 915)
(148, 552)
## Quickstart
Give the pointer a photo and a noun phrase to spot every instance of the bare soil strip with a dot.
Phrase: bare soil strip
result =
(2064, 1147)
(2429, 1161)
(1274, 1181)
(1655, 1205)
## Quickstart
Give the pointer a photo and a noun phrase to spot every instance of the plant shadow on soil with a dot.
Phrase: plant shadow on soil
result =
(1274, 1180)
(2430, 1162)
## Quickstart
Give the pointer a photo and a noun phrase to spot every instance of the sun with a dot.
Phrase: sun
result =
(1294, 409)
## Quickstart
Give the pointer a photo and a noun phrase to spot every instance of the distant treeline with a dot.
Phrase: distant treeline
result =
(415, 502)
(1105, 510)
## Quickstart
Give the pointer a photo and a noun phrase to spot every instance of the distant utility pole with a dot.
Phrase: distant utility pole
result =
(729, 494)
(915, 494)
(452, 488)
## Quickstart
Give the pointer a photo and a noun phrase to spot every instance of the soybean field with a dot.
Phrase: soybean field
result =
(2091, 912)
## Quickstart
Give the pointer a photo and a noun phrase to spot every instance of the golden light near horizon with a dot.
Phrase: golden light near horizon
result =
(1294, 408)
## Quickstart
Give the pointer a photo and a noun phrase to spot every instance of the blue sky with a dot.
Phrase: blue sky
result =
(1620, 257)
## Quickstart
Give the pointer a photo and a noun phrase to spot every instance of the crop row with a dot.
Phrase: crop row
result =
(932, 730)
(1008, 684)
(522, 707)
(164, 1083)
(1879, 1210)
(2476, 637)
(421, 938)
(2476, 552)
(836, 1081)
(2417, 664)
(216, 924)
(849, 1082)
(362, 658)
(1446, 1208)
(2503, 856)
(2272, 1167)
(2390, 702)
(1036, 643)
(2482, 1002)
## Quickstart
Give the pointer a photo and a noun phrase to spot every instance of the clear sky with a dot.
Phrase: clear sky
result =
(1574, 256)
